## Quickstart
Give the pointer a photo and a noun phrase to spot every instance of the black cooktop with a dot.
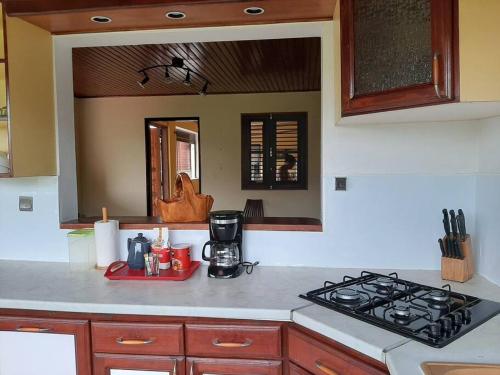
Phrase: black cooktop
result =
(430, 315)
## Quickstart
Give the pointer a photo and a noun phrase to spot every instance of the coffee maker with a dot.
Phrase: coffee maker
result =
(226, 235)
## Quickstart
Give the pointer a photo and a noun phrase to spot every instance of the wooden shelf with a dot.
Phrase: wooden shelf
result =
(291, 224)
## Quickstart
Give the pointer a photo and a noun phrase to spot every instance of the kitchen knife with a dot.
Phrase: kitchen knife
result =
(461, 225)
(446, 222)
(441, 246)
(454, 232)
(449, 242)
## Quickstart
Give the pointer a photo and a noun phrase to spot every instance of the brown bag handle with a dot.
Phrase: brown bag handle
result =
(184, 185)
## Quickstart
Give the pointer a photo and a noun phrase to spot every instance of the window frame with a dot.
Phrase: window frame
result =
(269, 121)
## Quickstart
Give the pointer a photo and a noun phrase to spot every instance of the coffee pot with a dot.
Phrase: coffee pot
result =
(226, 254)
(224, 258)
(137, 247)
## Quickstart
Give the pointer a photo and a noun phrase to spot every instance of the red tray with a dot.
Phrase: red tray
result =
(120, 271)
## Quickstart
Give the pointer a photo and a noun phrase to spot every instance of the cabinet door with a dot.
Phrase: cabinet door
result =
(398, 54)
(326, 357)
(296, 370)
(44, 346)
(213, 366)
(126, 364)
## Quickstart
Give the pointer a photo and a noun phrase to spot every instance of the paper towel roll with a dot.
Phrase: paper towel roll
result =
(107, 242)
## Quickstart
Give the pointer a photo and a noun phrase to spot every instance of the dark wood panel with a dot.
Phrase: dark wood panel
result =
(319, 355)
(255, 66)
(65, 17)
(233, 341)
(78, 328)
(297, 224)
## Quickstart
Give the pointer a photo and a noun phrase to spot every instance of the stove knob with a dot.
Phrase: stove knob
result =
(457, 319)
(466, 316)
(435, 330)
(447, 324)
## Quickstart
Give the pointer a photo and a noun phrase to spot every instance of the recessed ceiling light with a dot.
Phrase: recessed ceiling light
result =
(254, 11)
(100, 19)
(175, 15)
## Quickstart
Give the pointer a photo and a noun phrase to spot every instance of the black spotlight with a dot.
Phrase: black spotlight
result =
(203, 91)
(168, 78)
(144, 80)
(187, 80)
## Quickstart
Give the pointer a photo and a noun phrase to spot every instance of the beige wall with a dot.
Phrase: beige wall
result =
(479, 52)
(111, 150)
(31, 99)
(4, 137)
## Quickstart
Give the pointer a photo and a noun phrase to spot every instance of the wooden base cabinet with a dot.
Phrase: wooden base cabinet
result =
(218, 366)
(30, 346)
(319, 355)
(126, 364)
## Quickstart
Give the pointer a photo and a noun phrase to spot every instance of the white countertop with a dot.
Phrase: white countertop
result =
(269, 293)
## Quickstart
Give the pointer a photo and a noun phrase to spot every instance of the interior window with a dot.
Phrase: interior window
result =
(187, 153)
(274, 151)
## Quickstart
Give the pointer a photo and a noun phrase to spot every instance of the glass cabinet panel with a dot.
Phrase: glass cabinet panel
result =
(392, 44)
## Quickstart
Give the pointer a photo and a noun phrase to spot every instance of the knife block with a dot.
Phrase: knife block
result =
(460, 270)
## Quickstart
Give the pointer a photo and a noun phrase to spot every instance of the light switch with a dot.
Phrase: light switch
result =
(25, 203)
(340, 183)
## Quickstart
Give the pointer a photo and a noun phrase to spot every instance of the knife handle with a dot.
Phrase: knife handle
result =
(441, 246)
(453, 220)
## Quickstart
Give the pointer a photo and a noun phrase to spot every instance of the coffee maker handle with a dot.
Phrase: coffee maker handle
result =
(203, 252)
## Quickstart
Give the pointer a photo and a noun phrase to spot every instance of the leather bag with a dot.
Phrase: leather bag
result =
(185, 206)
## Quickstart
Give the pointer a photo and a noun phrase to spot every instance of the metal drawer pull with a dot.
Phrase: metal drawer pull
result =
(32, 329)
(220, 344)
(325, 369)
(122, 341)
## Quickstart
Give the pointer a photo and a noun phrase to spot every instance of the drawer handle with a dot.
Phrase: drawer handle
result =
(122, 341)
(435, 74)
(325, 369)
(222, 344)
(33, 329)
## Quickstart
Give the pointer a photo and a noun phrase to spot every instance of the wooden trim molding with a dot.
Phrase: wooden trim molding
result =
(287, 224)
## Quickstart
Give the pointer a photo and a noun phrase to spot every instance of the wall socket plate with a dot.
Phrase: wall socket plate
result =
(25, 203)
(340, 183)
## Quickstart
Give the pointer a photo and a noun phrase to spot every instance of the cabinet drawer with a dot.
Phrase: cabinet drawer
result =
(296, 370)
(321, 359)
(216, 366)
(137, 338)
(233, 341)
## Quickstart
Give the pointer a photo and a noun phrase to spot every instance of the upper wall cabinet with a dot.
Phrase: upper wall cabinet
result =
(5, 157)
(397, 54)
(31, 93)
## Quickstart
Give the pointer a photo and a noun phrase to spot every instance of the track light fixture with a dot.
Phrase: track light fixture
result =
(203, 91)
(144, 80)
(187, 80)
(176, 63)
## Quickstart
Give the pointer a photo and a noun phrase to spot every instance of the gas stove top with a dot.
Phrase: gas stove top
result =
(430, 315)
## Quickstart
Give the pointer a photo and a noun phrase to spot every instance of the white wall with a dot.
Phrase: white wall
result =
(399, 176)
(488, 200)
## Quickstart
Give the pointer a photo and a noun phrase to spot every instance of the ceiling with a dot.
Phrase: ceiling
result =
(258, 66)
(74, 16)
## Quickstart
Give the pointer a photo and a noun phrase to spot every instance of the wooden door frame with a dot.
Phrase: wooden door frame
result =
(147, 134)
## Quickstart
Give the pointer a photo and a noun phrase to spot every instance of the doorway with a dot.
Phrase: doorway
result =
(172, 147)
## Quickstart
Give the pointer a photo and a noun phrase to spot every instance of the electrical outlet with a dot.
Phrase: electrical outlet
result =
(340, 183)
(25, 203)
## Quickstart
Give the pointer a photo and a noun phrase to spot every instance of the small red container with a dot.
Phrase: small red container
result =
(181, 256)
(164, 257)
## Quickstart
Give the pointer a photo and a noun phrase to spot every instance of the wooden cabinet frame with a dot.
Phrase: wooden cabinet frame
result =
(79, 328)
(445, 88)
